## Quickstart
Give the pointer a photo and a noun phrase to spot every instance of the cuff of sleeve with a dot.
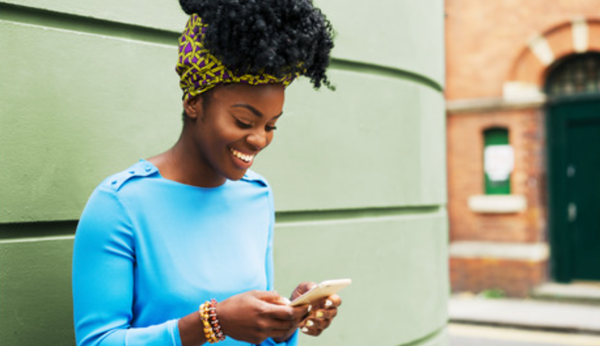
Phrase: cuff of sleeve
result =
(176, 336)
(162, 334)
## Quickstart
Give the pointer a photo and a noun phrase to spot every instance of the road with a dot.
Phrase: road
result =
(472, 335)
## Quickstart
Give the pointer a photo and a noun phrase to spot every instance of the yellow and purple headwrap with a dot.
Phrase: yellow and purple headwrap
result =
(201, 71)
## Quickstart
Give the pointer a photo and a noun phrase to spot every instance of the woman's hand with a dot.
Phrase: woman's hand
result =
(257, 315)
(321, 313)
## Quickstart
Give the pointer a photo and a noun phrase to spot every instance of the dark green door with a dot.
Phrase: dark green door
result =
(574, 143)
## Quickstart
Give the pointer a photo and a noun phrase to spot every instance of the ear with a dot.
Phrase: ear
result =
(193, 107)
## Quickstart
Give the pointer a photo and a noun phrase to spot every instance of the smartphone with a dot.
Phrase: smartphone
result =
(322, 290)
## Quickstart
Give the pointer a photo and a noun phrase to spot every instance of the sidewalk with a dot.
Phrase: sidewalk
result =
(531, 314)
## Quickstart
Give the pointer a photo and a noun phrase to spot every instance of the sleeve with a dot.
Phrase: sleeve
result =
(269, 266)
(103, 279)
(293, 340)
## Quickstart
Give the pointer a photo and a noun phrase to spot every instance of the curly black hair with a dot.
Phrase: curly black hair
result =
(276, 37)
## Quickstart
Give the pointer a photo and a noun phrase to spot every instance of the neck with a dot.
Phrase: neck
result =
(184, 163)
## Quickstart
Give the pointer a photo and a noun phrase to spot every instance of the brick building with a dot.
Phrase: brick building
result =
(523, 125)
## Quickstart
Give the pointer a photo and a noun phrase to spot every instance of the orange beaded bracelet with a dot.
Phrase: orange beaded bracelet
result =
(214, 321)
(212, 328)
(208, 333)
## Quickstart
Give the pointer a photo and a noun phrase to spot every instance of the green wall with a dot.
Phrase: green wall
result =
(358, 174)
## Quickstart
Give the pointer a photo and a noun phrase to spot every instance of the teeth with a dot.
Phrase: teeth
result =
(243, 157)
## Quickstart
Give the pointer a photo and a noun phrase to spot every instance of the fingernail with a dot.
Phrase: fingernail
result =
(304, 330)
(309, 323)
(328, 303)
(309, 308)
(286, 301)
(319, 314)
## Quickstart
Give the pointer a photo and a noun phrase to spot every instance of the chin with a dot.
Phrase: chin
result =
(237, 175)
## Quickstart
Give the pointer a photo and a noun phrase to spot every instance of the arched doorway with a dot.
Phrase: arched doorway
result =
(573, 124)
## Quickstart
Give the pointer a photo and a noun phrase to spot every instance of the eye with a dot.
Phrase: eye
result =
(270, 128)
(242, 124)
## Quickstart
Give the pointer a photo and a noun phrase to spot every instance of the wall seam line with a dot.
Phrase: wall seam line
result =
(375, 69)
(36, 239)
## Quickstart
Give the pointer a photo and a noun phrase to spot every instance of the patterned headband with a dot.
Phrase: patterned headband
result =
(201, 71)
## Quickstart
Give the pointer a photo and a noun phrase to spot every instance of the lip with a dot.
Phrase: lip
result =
(241, 161)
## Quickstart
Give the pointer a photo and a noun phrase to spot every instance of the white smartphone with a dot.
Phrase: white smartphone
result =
(322, 290)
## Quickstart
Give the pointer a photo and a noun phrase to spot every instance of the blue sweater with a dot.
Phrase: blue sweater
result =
(149, 250)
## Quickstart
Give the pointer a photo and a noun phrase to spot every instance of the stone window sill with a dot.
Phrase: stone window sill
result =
(497, 204)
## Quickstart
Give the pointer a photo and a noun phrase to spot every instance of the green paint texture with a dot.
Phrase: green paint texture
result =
(358, 173)
(35, 292)
(397, 264)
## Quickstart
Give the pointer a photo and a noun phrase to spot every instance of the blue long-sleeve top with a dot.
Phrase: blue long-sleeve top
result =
(149, 251)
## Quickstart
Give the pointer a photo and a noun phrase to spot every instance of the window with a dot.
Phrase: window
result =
(498, 158)
(576, 74)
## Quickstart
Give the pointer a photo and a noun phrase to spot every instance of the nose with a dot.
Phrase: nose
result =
(259, 139)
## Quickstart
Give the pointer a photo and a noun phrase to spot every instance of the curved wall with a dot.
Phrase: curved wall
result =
(358, 174)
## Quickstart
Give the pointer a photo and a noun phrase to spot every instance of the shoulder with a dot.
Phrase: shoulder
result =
(255, 178)
(134, 173)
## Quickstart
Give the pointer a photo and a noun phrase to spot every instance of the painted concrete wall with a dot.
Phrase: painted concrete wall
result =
(86, 89)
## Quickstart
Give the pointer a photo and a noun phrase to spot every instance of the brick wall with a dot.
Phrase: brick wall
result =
(515, 278)
(487, 48)
(485, 38)
(465, 176)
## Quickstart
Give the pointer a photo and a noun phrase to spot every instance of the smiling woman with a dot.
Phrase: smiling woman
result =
(223, 131)
(177, 249)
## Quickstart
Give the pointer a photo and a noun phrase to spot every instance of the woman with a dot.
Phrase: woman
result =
(193, 226)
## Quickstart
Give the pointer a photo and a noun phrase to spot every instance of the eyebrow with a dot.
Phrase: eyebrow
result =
(252, 109)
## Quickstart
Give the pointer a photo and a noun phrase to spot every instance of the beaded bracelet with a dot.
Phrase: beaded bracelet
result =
(208, 332)
(212, 328)
(214, 321)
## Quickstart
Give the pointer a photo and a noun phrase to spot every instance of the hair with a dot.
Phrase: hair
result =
(275, 37)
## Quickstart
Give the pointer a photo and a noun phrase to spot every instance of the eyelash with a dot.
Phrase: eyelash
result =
(244, 125)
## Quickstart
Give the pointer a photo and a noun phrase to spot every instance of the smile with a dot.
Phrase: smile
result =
(241, 156)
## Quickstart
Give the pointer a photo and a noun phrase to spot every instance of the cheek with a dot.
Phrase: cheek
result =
(270, 136)
(226, 132)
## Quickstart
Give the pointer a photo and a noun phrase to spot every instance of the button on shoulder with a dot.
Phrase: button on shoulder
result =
(140, 169)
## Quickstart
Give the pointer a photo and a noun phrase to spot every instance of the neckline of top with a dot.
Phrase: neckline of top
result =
(151, 168)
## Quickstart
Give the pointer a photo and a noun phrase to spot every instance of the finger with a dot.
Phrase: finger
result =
(332, 301)
(300, 313)
(310, 331)
(269, 297)
(312, 323)
(302, 288)
(307, 285)
(284, 301)
(283, 312)
(324, 314)
(316, 317)
(335, 301)
(317, 323)
(306, 309)
(280, 326)
(273, 297)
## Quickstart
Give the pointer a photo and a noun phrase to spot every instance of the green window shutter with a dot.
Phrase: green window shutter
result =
(496, 139)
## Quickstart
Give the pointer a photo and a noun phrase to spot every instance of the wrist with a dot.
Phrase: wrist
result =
(210, 322)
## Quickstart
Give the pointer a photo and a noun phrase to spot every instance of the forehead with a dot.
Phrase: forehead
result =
(267, 98)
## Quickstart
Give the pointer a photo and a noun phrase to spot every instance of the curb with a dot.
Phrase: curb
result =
(526, 314)
(556, 329)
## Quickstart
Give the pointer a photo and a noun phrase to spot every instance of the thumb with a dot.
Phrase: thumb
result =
(272, 297)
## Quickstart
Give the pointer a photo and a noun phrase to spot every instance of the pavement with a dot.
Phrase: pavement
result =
(526, 313)
(477, 335)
